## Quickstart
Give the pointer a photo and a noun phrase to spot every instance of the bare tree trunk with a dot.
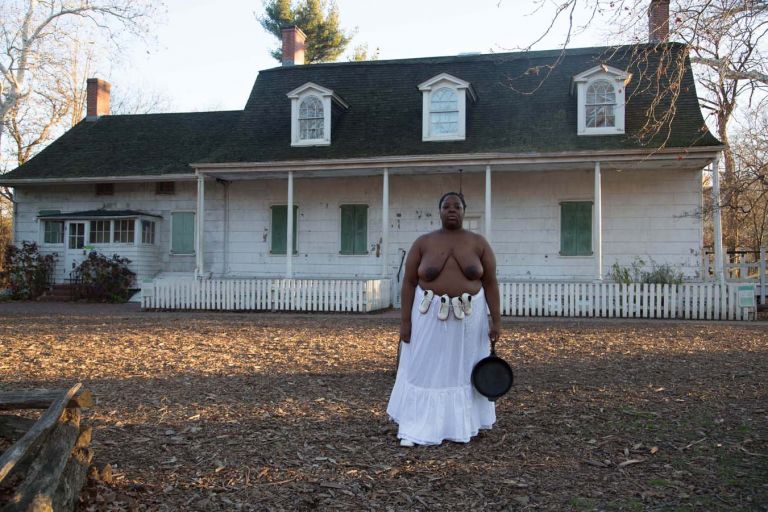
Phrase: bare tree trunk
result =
(730, 194)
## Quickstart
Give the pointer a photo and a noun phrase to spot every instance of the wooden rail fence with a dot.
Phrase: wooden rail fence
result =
(46, 466)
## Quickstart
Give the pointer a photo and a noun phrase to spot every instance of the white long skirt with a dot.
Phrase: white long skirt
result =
(433, 399)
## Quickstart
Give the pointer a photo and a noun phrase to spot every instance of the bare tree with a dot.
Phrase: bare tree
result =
(40, 55)
(727, 44)
(125, 101)
(750, 150)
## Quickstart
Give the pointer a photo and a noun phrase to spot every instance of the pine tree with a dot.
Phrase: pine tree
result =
(319, 20)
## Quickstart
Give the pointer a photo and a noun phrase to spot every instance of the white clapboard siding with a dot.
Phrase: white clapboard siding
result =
(267, 295)
(695, 301)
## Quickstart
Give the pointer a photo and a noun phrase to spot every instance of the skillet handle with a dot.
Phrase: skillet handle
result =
(493, 347)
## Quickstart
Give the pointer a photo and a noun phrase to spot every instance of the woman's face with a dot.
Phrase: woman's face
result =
(452, 212)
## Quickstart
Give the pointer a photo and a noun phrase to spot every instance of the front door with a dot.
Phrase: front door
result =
(75, 246)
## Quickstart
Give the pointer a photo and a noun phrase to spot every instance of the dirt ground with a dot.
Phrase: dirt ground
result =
(287, 412)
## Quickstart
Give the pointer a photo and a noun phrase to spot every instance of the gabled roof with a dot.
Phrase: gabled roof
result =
(515, 113)
(445, 77)
(602, 69)
(322, 91)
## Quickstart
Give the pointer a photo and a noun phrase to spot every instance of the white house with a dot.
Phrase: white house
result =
(345, 162)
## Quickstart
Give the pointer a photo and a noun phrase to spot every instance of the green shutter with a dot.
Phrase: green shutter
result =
(280, 226)
(347, 229)
(354, 229)
(576, 228)
(361, 229)
(183, 232)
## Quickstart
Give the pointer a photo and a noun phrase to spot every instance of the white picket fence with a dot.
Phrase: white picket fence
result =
(695, 301)
(347, 295)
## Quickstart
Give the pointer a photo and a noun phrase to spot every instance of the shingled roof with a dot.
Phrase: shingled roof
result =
(130, 145)
(384, 116)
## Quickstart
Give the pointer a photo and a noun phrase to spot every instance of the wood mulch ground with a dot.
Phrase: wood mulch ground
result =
(287, 412)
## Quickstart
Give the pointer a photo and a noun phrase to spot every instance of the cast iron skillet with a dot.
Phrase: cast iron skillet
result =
(492, 376)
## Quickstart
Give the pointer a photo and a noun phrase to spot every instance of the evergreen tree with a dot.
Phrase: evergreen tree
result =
(318, 19)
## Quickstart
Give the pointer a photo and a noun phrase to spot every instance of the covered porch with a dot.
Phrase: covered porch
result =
(320, 276)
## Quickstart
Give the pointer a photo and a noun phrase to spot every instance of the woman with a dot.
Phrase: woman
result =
(450, 274)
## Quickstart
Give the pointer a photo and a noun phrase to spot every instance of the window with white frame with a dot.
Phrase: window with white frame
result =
(53, 232)
(100, 231)
(312, 108)
(311, 118)
(444, 113)
(601, 104)
(600, 93)
(147, 232)
(124, 231)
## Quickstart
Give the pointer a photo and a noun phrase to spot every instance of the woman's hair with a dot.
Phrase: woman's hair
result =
(457, 194)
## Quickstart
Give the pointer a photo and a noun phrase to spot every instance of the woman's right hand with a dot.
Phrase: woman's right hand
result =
(405, 332)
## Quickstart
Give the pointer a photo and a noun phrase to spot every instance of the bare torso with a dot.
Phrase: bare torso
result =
(451, 262)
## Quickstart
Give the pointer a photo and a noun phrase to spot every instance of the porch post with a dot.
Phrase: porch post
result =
(200, 225)
(717, 222)
(289, 237)
(488, 203)
(385, 223)
(598, 224)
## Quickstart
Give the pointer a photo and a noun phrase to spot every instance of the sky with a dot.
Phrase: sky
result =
(207, 58)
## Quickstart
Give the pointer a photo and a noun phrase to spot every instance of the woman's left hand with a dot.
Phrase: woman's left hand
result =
(494, 332)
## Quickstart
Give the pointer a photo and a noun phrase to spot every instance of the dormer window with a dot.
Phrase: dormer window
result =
(445, 107)
(311, 119)
(444, 112)
(600, 93)
(312, 109)
(601, 104)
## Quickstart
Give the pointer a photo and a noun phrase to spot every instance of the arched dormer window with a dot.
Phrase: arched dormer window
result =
(600, 93)
(444, 113)
(312, 108)
(311, 118)
(601, 105)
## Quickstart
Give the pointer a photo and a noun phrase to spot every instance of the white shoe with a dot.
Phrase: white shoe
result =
(426, 300)
(466, 301)
(458, 309)
(442, 313)
(406, 443)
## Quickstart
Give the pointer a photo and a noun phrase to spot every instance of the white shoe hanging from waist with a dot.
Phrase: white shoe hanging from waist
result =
(466, 301)
(442, 312)
(458, 309)
(426, 301)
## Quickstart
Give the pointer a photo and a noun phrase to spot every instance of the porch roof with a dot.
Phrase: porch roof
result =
(610, 160)
(98, 214)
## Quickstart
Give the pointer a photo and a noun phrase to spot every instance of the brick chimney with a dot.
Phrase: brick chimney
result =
(658, 21)
(97, 98)
(293, 46)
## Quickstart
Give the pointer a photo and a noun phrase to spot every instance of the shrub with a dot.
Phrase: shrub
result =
(104, 279)
(635, 273)
(26, 273)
